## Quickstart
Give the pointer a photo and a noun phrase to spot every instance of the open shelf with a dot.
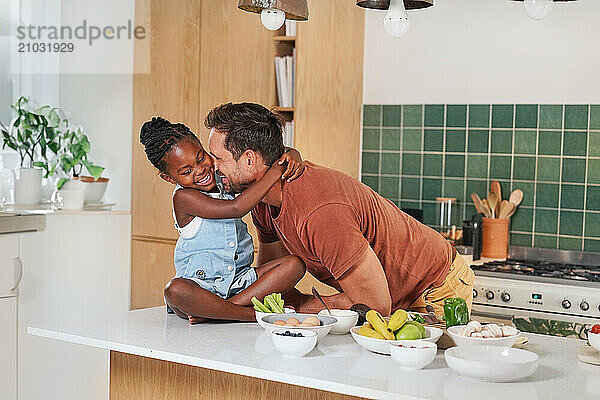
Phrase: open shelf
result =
(280, 38)
(283, 109)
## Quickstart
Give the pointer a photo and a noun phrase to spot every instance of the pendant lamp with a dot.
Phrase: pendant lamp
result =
(294, 9)
(539, 9)
(385, 4)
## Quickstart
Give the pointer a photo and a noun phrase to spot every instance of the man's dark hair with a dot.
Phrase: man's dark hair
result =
(249, 126)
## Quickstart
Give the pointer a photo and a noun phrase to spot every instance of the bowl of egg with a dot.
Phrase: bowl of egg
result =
(259, 314)
(320, 324)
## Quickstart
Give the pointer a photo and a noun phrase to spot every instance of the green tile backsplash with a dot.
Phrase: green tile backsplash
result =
(412, 154)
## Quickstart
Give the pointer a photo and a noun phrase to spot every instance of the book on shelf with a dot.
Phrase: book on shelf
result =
(290, 28)
(278, 77)
(288, 134)
(284, 76)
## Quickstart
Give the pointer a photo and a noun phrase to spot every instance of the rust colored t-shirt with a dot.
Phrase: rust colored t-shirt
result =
(328, 219)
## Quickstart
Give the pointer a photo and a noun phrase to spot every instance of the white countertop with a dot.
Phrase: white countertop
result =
(337, 364)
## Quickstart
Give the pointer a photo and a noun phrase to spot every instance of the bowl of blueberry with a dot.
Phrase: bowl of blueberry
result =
(294, 343)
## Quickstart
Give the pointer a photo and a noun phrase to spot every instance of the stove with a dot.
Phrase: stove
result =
(542, 283)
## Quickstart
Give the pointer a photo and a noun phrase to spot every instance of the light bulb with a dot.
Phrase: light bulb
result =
(538, 9)
(272, 19)
(396, 21)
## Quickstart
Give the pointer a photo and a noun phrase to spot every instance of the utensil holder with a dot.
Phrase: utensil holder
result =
(495, 237)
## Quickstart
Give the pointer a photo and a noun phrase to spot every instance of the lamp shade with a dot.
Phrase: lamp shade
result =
(385, 4)
(294, 9)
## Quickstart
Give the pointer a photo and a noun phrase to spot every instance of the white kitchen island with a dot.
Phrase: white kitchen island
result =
(155, 355)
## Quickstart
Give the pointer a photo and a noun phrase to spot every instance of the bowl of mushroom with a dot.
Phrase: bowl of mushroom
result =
(475, 333)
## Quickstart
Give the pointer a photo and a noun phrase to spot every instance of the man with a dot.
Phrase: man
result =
(349, 237)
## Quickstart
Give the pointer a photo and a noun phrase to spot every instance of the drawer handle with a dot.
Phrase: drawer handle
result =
(18, 272)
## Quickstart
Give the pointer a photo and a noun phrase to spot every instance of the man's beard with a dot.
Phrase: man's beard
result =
(234, 187)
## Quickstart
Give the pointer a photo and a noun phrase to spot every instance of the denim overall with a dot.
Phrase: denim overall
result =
(217, 254)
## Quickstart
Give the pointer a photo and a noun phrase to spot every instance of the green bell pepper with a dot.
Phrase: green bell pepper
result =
(456, 312)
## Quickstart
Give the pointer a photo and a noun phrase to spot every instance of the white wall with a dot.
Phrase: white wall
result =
(41, 87)
(485, 51)
(102, 103)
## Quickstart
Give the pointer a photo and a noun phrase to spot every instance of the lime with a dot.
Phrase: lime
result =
(408, 332)
(418, 325)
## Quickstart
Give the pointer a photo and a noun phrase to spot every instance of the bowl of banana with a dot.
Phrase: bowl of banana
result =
(378, 332)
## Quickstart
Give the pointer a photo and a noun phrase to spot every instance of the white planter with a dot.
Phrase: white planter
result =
(28, 186)
(94, 189)
(72, 195)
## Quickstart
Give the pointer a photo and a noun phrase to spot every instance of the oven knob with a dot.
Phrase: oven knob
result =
(474, 293)
(505, 297)
(489, 294)
(566, 304)
(584, 306)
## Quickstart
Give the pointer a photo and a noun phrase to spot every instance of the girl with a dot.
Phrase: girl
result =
(214, 253)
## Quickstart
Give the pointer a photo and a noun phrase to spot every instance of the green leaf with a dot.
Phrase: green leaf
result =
(44, 166)
(68, 163)
(61, 183)
(55, 147)
(94, 170)
(85, 144)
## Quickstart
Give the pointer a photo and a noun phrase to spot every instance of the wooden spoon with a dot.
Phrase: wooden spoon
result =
(506, 207)
(496, 188)
(486, 208)
(492, 201)
(511, 213)
(516, 197)
(477, 202)
(479, 206)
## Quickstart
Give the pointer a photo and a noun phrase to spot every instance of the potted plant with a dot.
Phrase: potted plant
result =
(72, 157)
(31, 133)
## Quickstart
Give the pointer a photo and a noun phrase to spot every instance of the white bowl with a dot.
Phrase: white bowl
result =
(432, 334)
(346, 320)
(294, 346)
(95, 191)
(417, 354)
(260, 314)
(321, 331)
(594, 339)
(461, 340)
(492, 363)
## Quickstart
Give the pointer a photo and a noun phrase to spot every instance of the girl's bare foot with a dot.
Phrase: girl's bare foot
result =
(196, 320)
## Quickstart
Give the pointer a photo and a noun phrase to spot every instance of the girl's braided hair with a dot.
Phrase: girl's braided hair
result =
(158, 137)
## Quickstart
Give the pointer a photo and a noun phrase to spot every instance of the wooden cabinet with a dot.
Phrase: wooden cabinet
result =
(217, 54)
(329, 74)
(236, 55)
(171, 90)
(205, 53)
(151, 268)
